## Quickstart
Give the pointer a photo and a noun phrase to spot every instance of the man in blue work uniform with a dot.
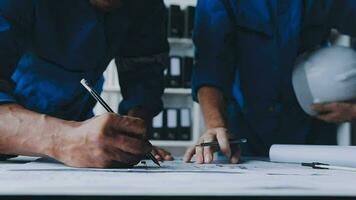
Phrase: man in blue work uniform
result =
(47, 47)
(245, 51)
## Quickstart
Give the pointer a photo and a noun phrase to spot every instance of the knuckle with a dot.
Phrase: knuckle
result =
(100, 152)
(137, 125)
(141, 125)
(100, 136)
(222, 135)
(107, 117)
(142, 148)
(105, 120)
(210, 135)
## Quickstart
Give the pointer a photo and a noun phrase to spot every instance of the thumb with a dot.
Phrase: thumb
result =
(223, 139)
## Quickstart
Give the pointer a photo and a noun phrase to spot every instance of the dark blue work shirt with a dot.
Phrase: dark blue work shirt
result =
(47, 47)
(256, 72)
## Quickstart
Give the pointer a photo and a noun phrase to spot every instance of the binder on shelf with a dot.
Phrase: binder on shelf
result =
(189, 15)
(185, 127)
(188, 64)
(158, 127)
(174, 76)
(172, 124)
(175, 22)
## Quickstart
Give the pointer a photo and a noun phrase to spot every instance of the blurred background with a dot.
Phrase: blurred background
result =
(180, 124)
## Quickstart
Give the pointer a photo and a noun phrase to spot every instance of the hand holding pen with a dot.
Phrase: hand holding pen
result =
(216, 143)
(136, 140)
(213, 140)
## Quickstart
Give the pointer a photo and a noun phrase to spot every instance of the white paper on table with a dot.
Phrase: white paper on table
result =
(332, 155)
(177, 178)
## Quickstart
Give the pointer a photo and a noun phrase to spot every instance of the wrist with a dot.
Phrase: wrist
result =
(60, 136)
(353, 112)
(213, 106)
(219, 123)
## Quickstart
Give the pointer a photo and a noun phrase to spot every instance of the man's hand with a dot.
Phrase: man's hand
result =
(161, 154)
(213, 105)
(206, 154)
(105, 141)
(335, 112)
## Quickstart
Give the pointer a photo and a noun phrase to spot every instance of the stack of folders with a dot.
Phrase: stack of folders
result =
(179, 72)
(172, 124)
(180, 22)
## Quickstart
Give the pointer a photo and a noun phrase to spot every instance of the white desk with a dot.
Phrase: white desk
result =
(252, 178)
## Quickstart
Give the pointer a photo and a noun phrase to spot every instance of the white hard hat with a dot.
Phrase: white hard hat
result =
(325, 75)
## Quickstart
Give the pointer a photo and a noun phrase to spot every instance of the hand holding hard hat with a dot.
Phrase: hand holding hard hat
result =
(325, 83)
(335, 112)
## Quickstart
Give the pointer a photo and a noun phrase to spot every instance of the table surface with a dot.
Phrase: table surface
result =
(256, 177)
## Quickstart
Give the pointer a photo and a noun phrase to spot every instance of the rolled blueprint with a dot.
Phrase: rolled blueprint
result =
(332, 155)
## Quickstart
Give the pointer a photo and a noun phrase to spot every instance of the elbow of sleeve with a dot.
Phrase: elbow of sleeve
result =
(152, 106)
(6, 98)
(143, 88)
(208, 75)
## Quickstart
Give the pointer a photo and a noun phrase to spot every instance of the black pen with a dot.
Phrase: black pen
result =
(216, 143)
(107, 108)
(317, 165)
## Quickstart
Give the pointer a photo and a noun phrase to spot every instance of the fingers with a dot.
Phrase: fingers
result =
(327, 107)
(236, 154)
(332, 118)
(320, 108)
(208, 151)
(129, 144)
(155, 154)
(334, 112)
(189, 154)
(133, 126)
(119, 158)
(206, 154)
(223, 140)
(125, 133)
(199, 153)
(162, 154)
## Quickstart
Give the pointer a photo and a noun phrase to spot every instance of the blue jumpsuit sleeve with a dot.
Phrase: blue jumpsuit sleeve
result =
(144, 59)
(15, 24)
(343, 16)
(212, 68)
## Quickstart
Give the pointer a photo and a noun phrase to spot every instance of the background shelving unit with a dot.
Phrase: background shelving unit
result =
(173, 97)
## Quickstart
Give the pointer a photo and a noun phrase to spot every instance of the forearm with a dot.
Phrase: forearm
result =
(213, 106)
(353, 119)
(23, 132)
